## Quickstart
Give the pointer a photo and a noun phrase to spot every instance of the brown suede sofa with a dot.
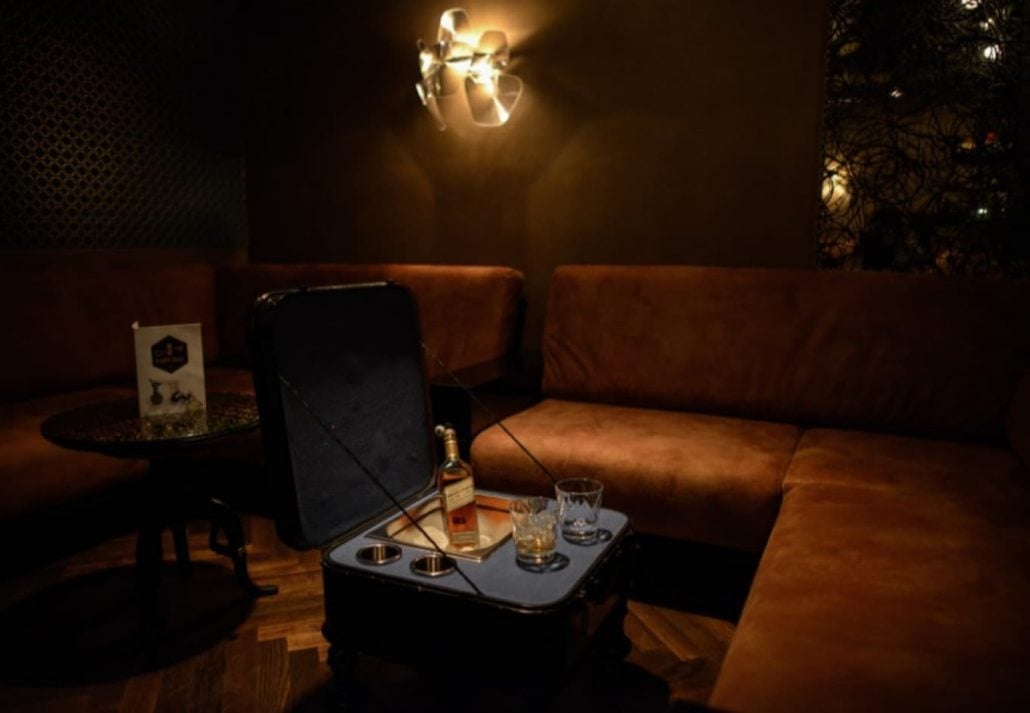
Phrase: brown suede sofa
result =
(68, 342)
(868, 433)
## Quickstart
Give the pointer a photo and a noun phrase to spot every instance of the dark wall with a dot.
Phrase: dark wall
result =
(663, 131)
(119, 127)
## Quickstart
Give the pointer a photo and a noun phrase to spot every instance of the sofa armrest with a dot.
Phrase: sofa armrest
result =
(1017, 420)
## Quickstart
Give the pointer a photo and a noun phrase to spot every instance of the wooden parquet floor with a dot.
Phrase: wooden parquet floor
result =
(70, 643)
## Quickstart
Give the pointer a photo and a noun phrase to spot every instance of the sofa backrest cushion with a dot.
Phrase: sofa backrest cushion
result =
(881, 351)
(468, 314)
(70, 327)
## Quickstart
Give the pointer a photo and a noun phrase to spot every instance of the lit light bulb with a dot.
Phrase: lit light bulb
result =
(835, 193)
(482, 72)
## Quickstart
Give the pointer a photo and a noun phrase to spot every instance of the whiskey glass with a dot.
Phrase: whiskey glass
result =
(579, 506)
(534, 531)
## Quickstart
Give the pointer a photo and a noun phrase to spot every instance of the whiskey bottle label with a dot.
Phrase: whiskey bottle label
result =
(458, 494)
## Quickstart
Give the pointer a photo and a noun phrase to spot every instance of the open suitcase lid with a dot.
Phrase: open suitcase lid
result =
(350, 358)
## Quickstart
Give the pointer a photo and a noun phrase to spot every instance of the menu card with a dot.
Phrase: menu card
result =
(170, 377)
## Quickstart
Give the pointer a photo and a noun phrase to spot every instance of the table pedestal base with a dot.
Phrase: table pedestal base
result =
(167, 506)
(225, 520)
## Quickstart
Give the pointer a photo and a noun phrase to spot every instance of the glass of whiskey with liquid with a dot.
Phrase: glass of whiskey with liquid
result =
(534, 531)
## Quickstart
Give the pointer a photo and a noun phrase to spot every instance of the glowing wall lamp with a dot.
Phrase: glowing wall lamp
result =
(459, 60)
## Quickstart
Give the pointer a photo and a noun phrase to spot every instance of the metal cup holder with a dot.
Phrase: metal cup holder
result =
(379, 554)
(432, 565)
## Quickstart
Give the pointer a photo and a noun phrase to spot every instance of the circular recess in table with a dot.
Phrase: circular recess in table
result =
(433, 565)
(378, 554)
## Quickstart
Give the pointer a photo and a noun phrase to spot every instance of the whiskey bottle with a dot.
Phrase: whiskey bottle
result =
(457, 493)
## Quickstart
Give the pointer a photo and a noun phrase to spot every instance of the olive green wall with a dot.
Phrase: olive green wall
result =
(655, 131)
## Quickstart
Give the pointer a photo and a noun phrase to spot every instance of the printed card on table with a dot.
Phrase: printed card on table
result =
(170, 377)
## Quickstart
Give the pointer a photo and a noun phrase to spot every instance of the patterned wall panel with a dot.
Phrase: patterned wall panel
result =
(924, 137)
(119, 124)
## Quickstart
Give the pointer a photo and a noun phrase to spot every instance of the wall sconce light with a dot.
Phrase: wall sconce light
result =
(459, 60)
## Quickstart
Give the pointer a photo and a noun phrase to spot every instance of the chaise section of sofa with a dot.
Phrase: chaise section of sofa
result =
(876, 461)
(873, 427)
(886, 600)
(895, 579)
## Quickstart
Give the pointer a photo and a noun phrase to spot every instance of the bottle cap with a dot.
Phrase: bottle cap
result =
(445, 432)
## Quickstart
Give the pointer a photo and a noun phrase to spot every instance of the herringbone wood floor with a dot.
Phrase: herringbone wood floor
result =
(70, 643)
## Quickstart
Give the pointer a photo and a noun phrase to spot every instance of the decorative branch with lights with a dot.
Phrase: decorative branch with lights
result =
(923, 168)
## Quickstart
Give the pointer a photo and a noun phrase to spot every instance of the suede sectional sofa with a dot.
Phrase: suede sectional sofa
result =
(868, 433)
(69, 342)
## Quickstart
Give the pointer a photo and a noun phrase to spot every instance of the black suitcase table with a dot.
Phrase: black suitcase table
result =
(340, 381)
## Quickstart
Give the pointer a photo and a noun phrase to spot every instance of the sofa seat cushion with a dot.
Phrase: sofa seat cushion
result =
(873, 599)
(35, 474)
(872, 460)
(704, 478)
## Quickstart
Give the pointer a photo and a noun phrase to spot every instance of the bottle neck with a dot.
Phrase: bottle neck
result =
(450, 447)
